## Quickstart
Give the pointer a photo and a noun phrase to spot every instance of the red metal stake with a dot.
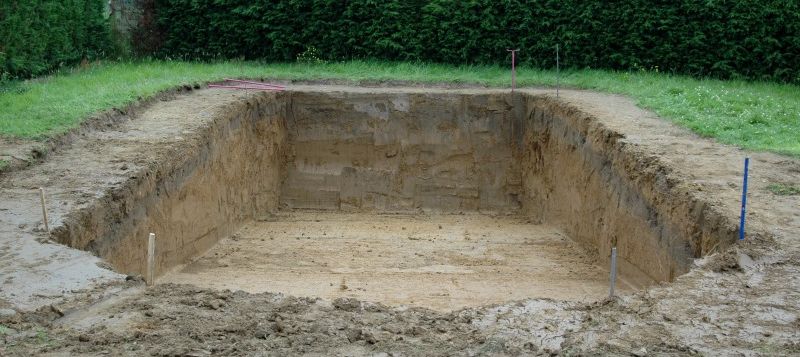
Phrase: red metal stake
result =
(247, 85)
(513, 69)
(244, 87)
(262, 84)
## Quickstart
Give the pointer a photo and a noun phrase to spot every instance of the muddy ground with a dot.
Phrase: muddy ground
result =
(743, 300)
(724, 317)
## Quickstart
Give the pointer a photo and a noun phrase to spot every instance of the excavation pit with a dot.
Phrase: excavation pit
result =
(432, 198)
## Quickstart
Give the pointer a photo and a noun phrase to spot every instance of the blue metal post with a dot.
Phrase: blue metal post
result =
(744, 199)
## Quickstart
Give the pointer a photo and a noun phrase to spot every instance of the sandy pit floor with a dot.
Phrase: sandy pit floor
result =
(443, 262)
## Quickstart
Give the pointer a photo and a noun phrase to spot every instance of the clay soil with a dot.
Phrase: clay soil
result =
(742, 300)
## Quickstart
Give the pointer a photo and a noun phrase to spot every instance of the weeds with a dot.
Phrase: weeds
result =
(782, 189)
(310, 55)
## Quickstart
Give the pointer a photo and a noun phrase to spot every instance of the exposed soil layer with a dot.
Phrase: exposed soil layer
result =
(661, 194)
(401, 152)
(442, 262)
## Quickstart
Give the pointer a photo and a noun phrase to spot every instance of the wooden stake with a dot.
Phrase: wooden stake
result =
(613, 281)
(744, 199)
(151, 258)
(513, 68)
(44, 210)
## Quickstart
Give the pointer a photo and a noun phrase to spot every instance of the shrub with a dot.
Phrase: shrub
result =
(37, 36)
(719, 38)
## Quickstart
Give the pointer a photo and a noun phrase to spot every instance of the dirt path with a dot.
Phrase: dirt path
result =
(743, 300)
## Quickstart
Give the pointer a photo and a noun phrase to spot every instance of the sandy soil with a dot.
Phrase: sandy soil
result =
(739, 301)
(442, 262)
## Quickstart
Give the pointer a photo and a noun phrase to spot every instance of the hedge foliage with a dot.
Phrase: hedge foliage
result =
(39, 35)
(756, 39)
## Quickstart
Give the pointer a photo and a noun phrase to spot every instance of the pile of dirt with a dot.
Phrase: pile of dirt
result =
(180, 320)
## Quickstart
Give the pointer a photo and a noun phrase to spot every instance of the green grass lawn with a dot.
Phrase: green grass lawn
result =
(753, 115)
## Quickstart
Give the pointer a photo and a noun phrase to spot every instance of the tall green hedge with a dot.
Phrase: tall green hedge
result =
(757, 39)
(39, 35)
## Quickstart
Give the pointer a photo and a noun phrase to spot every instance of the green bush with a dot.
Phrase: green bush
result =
(720, 38)
(37, 36)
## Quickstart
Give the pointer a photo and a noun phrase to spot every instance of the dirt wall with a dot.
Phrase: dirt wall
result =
(401, 152)
(229, 171)
(581, 176)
